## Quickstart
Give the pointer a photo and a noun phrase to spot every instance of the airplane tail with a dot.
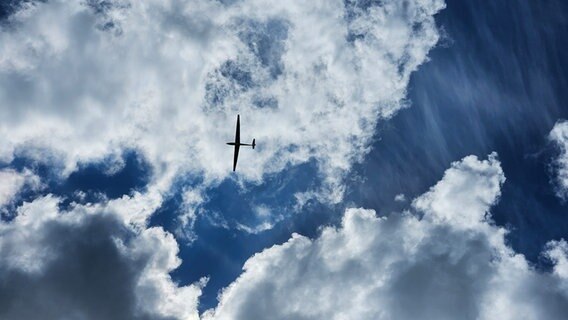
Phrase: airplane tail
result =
(253, 143)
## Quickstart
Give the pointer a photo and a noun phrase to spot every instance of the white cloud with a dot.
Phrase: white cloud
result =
(84, 80)
(559, 136)
(447, 260)
(87, 263)
(400, 197)
(465, 193)
(11, 182)
(557, 252)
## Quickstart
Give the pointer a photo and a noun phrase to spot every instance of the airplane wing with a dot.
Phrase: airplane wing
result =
(236, 156)
(238, 134)
(237, 142)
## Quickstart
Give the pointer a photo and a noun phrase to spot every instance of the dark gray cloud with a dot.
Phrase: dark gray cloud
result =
(86, 276)
(83, 264)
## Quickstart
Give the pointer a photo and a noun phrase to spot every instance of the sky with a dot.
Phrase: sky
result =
(411, 159)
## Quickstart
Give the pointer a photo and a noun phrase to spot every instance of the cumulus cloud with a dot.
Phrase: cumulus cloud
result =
(444, 259)
(559, 136)
(87, 263)
(84, 80)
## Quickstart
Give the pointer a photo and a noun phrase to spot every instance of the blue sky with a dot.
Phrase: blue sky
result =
(495, 84)
(400, 145)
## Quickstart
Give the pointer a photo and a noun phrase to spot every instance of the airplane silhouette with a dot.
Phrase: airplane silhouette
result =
(238, 143)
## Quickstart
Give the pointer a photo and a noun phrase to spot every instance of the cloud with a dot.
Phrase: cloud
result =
(82, 81)
(13, 182)
(559, 136)
(444, 259)
(400, 197)
(87, 263)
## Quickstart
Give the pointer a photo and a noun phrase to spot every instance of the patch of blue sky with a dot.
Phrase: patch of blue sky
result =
(91, 182)
(249, 208)
(132, 174)
(494, 85)
(230, 226)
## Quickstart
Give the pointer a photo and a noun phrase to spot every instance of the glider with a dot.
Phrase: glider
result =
(238, 143)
